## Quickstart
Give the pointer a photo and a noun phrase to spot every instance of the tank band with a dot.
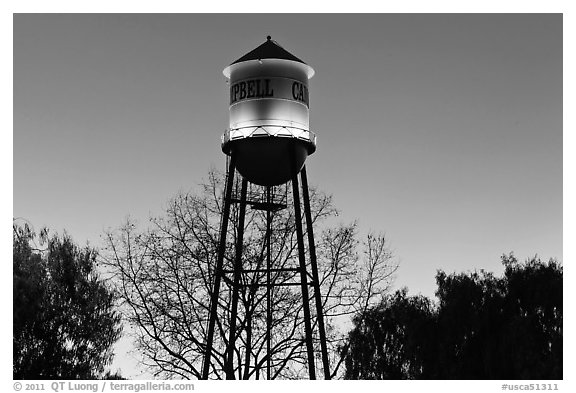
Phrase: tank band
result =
(268, 131)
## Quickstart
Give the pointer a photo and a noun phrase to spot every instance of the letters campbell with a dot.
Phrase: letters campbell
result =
(269, 88)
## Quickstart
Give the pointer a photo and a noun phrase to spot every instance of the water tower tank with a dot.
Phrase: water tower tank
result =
(269, 131)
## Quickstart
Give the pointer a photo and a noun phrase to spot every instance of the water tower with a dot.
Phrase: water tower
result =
(267, 144)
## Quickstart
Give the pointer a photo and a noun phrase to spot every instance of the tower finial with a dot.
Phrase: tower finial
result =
(268, 38)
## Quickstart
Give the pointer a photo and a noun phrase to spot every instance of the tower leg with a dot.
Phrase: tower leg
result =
(268, 285)
(218, 273)
(236, 286)
(315, 278)
(303, 277)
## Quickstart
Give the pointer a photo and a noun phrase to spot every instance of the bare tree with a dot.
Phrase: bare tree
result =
(165, 273)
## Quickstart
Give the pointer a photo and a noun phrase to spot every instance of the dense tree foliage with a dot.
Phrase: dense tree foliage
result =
(482, 327)
(64, 318)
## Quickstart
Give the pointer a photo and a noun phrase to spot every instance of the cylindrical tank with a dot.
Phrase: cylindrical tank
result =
(269, 103)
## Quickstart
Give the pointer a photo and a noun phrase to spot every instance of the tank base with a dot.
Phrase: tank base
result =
(267, 161)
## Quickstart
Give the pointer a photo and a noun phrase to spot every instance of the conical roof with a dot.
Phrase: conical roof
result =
(268, 50)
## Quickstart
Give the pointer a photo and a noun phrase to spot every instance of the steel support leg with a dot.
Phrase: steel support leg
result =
(236, 286)
(303, 275)
(218, 273)
(315, 278)
(268, 285)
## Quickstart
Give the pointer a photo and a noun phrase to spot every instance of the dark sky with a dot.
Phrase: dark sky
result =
(442, 130)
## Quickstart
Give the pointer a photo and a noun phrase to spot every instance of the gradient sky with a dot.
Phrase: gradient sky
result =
(442, 130)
